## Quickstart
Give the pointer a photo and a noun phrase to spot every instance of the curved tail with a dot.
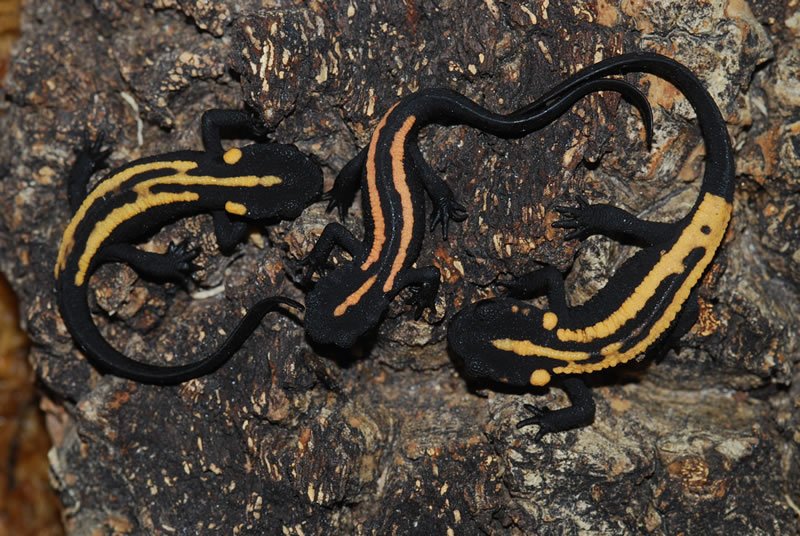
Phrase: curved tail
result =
(447, 107)
(546, 112)
(75, 312)
(719, 175)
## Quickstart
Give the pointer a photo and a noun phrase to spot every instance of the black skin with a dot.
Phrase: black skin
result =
(382, 264)
(213, 188)
(473, 328)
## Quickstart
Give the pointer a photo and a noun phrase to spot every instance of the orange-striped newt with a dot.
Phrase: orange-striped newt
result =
(392, 175)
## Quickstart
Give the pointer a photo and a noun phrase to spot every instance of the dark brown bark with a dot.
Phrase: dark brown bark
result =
(391, 438)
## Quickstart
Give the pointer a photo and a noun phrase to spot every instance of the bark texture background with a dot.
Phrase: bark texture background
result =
(391, 438)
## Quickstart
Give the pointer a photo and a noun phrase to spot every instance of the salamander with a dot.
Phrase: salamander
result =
(258, 182)
(649, 303)
(392, 175)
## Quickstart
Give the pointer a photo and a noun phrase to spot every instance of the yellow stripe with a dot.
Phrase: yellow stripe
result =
(144, 201)
(245, 181)
(399, 178)
(713, 212)
(355, 297)
(109, 185)
(120, 215)
(376, 212)
(719, 211)
(526, 348)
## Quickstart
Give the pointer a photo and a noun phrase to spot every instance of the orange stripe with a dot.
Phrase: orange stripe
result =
(379, 223)
(399, 178)
(355, 297)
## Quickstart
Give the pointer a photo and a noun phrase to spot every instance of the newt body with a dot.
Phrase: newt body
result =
(649, 302)
(260, 182)
(393, 178)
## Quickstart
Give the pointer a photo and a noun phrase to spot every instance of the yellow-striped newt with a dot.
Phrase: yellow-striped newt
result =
(392, 174)
(259, 182)
(649, 303)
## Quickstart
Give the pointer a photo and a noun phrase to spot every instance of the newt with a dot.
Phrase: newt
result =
(393, 176)
(255, 183)
(650, 301)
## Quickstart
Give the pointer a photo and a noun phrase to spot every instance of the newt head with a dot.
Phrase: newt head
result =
(343, 306)
(507, 340)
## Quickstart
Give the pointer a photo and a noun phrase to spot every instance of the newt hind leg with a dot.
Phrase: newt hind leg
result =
(90, 157)
(175, 265)
(445, 205)
(579, 414)
(347, 183)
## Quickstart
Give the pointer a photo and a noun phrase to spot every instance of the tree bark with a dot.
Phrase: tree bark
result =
(391, 438)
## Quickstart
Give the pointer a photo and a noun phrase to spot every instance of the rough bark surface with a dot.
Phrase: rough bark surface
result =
(390, 438)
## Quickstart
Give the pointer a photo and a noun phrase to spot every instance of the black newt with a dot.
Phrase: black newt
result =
(259, 182)
(392, 174)
(649, 302)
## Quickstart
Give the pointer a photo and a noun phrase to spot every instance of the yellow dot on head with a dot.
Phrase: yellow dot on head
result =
(232, 156)
(235, 208)
(549, 320)
(540, 377)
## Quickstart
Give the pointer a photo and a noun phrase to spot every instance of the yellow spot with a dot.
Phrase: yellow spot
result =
(355, 297)
(549, 320)
(232, 156)
(376, 212)
(235, 208)
(397, 151)
(540, 377)
(714, 213)
(528, 349)
(104, 228)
